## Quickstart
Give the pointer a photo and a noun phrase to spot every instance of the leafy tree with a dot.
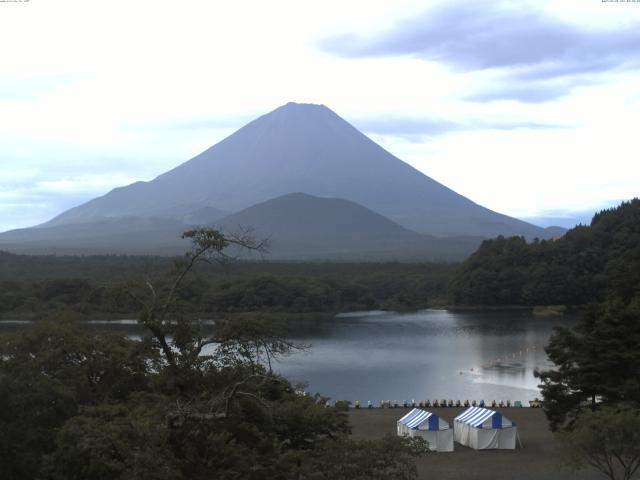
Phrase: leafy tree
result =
(253, 340)
(47, 373)
(391, 457)
(607, 440)
(113, 441)
(597, 361)
(180, 339)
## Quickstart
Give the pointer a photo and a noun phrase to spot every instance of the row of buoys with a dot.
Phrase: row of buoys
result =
(535, 403)
(448, 403)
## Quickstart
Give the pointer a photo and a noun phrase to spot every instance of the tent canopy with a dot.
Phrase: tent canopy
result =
(436, 431)
(423, 420)
(479, 417)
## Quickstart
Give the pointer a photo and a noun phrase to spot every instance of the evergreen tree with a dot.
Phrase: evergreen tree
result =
(596, 362)
(586, 265)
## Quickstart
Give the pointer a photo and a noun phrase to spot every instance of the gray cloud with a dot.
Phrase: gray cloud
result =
(404, 127)
(419, 129)
(519, 41)
(532, 92)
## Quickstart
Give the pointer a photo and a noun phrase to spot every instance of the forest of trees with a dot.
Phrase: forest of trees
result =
(34, 287)
(583, 266)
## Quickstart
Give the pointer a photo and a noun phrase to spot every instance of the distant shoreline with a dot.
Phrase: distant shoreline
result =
(536, 310)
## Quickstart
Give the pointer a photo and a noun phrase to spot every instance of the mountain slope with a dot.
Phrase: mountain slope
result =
(299, 227)
(130, 235)
(310, 149)
(312, 217)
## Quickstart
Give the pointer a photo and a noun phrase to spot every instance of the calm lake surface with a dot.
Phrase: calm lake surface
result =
(405, 356)
(425, 355)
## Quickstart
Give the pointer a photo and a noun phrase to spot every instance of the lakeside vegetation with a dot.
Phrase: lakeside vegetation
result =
(95, 286)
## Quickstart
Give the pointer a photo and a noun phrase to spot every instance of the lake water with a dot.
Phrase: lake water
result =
(425, 355)
(373, 356)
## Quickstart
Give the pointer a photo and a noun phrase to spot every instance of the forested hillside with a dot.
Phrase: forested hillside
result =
(581, 267)
(97, 286)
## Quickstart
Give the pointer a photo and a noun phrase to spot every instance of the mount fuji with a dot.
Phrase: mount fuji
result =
(297, 148)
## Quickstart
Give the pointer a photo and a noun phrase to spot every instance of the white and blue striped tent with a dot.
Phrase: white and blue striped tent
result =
(436, 431)
(481, 428)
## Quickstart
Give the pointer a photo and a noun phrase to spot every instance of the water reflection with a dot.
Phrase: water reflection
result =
(424, 355)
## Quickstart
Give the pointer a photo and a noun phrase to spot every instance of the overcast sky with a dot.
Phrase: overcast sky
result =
(528, 108)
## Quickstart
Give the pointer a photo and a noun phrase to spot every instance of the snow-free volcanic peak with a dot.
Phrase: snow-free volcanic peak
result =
(303, 148)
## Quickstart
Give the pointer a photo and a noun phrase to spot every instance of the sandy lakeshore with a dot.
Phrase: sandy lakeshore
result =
(537, 460)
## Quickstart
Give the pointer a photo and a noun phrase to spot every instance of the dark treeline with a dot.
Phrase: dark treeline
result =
(99, 286)
(582, 267)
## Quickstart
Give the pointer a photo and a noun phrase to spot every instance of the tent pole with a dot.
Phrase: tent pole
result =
(518, 437)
